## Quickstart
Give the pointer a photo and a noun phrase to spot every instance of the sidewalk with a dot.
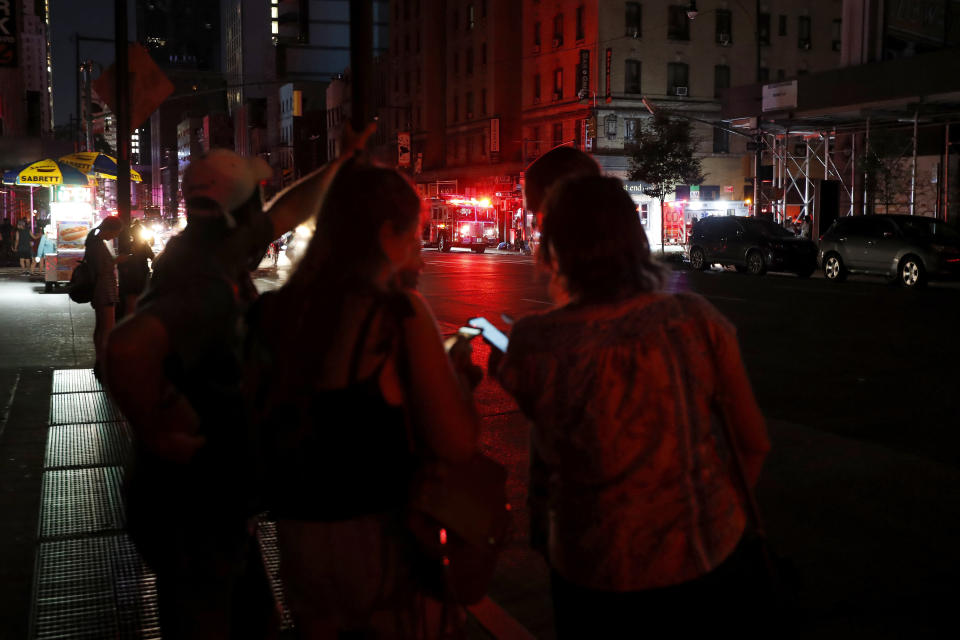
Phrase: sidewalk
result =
(872, 532)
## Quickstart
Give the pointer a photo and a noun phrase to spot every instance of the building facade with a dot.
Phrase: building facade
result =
(26, 97)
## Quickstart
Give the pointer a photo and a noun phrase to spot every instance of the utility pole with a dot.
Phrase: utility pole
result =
(361, 63)
(758, 154)
(123, 119)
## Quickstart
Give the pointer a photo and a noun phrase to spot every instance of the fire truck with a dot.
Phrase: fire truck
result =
(460, 221)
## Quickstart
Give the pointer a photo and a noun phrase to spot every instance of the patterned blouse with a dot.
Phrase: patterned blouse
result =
(630, 470)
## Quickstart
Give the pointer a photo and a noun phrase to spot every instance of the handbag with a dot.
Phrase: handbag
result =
(458, 517)
(82, 282)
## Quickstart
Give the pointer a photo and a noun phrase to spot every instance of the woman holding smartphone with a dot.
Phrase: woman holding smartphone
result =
(333, 411)
(632, 497)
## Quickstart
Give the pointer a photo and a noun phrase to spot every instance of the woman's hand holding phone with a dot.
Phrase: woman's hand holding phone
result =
(461, 356)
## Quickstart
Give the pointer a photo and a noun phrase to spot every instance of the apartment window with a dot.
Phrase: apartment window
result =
(782, 25)
(469, 61)
(419, 116)
(483, 54)
(456, 19)
(419, 84)
(536, 35)
(418, 41)
(416, 8)
(396, 12)
(763, 28)
(721, 140)
(471, 17)
(456, 62)
(396, 83)
(677, 78)
(469, 147)
(721, 79)
(483, 101)
(483, 145)
(836, 28)
(406, 43)
(764, 74)
(634, 19)
(557, 133)
(781, 75)
(610, 125)
(406, 82)
(580, 26)
(724, 30)
(803, 32)
(558, 84)
(558, 30)
(469, 105)
(406, 9)
(483, 8)
(536, 87)
(396, 119)
(678, 24)
(630, 128)
(456, 108)
(631, 76)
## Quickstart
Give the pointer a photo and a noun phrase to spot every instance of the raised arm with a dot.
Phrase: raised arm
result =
(442, 410)
(161, 417)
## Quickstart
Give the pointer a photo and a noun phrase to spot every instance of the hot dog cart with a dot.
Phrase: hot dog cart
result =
(71, 219)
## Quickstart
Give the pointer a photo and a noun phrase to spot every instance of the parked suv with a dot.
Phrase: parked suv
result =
(751, 245)
(907, 249)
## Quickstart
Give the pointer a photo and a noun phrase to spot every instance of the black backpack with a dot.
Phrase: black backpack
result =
(82, 282)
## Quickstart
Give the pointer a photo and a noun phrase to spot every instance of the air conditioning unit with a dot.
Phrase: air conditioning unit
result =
(557, 95)
(634, 33)
(536, 48)
(724, 39)
(805, 44)
(536, 100)
(556, 42)
(680, 91)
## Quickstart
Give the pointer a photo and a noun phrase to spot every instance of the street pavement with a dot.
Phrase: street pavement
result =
(861, 491)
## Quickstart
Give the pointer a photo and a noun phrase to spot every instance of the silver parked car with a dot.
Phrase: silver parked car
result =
(907, 249)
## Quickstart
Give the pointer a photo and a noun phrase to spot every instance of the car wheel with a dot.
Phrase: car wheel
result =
(740, 268)
(833, 268)
(48, 286)
(698, 261)
(911, 273)
(755, 264)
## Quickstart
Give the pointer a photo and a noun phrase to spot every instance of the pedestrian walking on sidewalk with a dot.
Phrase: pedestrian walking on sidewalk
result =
(24, 244)
(334, 410)
(134, 274)
(102, 262)
(632, 499)
(174, 368)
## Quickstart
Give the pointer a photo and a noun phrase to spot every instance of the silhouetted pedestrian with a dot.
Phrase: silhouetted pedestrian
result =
(632, 499)
(134, 274)
(102, 262)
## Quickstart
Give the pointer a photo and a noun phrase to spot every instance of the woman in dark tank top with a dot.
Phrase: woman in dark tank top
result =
(341, 363)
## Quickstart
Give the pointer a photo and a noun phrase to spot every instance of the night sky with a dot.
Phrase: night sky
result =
(89, 18)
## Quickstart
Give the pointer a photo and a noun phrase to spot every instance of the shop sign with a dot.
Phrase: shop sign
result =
(694, 192)
(403, 149)
(728, 188)
(584, 72)
(495, 135)
(8, 33)
(607, 93)
(779, 96)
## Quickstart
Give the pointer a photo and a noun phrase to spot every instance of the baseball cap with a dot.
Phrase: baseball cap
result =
(224, 177)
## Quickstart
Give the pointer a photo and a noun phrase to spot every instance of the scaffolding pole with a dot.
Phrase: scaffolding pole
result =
(913, 166)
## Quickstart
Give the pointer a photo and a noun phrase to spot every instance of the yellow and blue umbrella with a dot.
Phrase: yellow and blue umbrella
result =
(97, 164)
(46, 173)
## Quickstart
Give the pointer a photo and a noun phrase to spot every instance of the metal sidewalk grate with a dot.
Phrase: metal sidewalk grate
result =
(88, 445)
(77, 408)
(74, 380)
(81, 501)
(94, 588)
(267, 537)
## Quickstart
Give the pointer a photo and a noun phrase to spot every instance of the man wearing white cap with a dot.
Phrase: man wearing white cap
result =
(174, 369)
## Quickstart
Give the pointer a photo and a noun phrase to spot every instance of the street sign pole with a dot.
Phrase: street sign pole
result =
(361, 62)
(123, 120)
